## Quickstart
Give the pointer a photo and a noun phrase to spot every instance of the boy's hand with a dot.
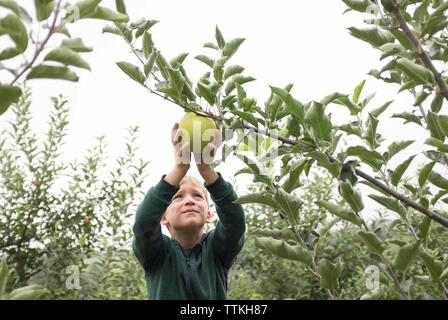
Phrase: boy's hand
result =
(208, 154)
(182, 155)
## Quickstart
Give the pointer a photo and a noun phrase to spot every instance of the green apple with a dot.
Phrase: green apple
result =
(198, 130)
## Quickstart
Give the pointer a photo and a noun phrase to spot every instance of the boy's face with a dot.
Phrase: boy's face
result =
(189, 210)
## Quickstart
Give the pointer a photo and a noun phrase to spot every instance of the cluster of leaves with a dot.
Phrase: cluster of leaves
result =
(55, 16)
(308, 139)
(259, 274)
(25, 293)
(57, 214)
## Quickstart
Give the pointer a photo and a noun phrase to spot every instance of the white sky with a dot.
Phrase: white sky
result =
(287, 41)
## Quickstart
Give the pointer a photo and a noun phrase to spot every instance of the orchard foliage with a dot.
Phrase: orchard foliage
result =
(326, 246)
(42, 62)
(58, 214)
(290, 139)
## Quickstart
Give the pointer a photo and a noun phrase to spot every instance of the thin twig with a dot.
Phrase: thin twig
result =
(420, 52)
(41, 48)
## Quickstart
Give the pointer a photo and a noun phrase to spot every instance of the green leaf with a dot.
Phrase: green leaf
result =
(391, 204)
(44, 8)
(211, 46)
(350, 195)
(424, 230)
(399, 171)
(376, 112)
(294, 106)
(207, 93)
(358, 5)
(396, 147)
(265, 198)
(87, 7)
(179, 59)
(231, 47)
(163, 65)
(345, 101)
(232, 70)
(434, 127)
(132, 71)
(290, 204)
(433, 265)
(259, 175)
(111, 29)
(406, 255)
(409, 117)
(437, 103)
(50, 72)
(208, 61)
(293, 181)
(150, 64)
(350, 129)
(177, 81)
(76, 45)
(147, 44)
(319, 121)
(247, 116)
(8, 95)
(433, 25)
(13, 26)
(145, 27)
(13, 6)
(370, 135)
(372, 158)
(357, 91)
(3, 276)
(424, 173)
(107, 14)
(283, 250)
(332, 97)
(415, 72)
(68, 57)
(402, 38)
(219, 38)
(371, 241)
(283, 234)
(437, 143)
(373, 36)
(218, 66)
(340, 212)
(120, 5)
(438, 180)
(323, 161)
(443, 124)
(329, 273)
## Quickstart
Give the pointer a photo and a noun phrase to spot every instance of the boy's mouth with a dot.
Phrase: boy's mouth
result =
(190, 211)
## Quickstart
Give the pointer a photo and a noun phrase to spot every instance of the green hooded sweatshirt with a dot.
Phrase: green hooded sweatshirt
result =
(173, 272)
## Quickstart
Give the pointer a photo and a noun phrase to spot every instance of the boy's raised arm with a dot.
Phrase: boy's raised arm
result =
(229, 233)
(148, 239)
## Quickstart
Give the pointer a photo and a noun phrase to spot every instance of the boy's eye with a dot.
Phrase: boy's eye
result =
(196, 195)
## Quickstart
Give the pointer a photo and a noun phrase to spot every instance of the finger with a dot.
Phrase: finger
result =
(208, 153)
(173, 131)
(183, 154)
(177, 137)
(218, 139)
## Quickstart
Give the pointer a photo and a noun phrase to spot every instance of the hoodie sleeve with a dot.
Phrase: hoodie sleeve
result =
(147, 242)
(228, 237)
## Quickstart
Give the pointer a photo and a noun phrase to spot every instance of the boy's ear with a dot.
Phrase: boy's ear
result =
(209, 216)
(164, 221)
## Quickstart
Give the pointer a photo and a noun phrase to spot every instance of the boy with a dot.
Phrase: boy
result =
(191, 264)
